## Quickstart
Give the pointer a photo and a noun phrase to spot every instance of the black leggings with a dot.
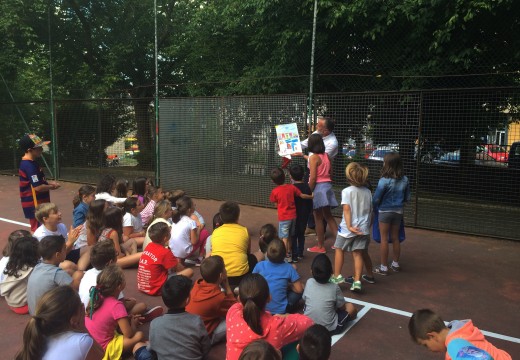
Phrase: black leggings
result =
(234, 281)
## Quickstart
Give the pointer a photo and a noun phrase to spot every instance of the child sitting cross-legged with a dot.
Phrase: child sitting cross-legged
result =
(177, 334)
(22, 260)
(157, 261)
(324, 302)
(284, 282)
(105, 313)
(460, 339)
(47, 275)
(207, 299)
(248, 321)
(103, 254)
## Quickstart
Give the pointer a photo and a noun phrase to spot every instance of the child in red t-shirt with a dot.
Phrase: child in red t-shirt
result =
(157, 262)
(283, 195)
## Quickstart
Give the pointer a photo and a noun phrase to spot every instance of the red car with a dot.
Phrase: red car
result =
(497, 152)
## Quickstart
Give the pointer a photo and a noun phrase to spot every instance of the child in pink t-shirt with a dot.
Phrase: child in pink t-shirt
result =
(276, 330)
(105, 313)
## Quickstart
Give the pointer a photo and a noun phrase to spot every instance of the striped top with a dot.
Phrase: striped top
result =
(31, 176)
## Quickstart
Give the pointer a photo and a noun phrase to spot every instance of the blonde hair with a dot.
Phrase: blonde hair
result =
(356, 174)
(161, 208)
(44, 210)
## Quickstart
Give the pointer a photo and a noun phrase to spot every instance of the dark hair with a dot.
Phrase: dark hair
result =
(106, 184)
(253, 294)
(175, 195)
(53, 314)
(130, 204)
(183, 205)
(229, 212)
(211, 268)
(122, 188)
(278, 176)
(321, 268)
(24, 254)
(424, 321)
(268, 232)
(392, 166)
(316, 144)
(95, 216)
(113, 218)
(85, 190)
(102, 253)
(51, 245)
(13, 237)
(139, 186)
(158, 231)
(296, 172)
(175, 291)
(217, 221)
(260, 350)
(329, 123)
(152, 190)
(108, 281)
(315, 343)
(276, 251)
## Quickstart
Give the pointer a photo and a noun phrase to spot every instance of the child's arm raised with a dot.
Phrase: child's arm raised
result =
(72, 237)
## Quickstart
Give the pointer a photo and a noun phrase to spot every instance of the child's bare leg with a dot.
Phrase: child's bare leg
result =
(69, 267)
(129, 260)
(84, 260)
(331, 222)
(384, 229)
(368, 262)
(396, 245)
(139, 241)
(320, 231)
(351, 309)
(339, 259)
(186, 272)
(130, 246)
(358, 264)
(287, 245)
(138, 308)
(129, 343)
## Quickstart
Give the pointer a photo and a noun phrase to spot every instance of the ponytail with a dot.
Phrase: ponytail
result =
(53, 313)
(33, 341)
(253, 294)
(108, 281)
(182, 206)
(83, 191)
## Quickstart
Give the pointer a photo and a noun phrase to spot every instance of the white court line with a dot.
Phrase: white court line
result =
(360, 314)
(408, 314)
(15, 222)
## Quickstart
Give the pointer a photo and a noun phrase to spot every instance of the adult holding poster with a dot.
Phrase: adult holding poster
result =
(325, 128)
(34, 188)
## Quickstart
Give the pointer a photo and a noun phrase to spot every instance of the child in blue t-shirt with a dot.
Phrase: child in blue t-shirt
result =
(284, 282)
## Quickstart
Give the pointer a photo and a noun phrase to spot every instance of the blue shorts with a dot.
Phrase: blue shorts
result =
(286, 228)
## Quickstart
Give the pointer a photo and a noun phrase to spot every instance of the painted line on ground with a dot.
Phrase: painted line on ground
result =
(15, 222)
(409, 314)
(360, 314)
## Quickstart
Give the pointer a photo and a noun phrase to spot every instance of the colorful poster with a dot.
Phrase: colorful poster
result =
(288, 139)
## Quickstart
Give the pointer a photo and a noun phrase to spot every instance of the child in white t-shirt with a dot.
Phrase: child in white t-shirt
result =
(184, 240)
(132, 223)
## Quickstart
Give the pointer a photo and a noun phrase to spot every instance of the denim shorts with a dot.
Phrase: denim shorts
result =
(390, 217)
(286, 228)
(143, 354)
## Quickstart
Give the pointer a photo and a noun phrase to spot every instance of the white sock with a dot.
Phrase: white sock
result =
(384, 268)
(395, 263)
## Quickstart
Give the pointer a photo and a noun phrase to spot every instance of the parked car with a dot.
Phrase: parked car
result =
(497, 152)
(514, 156)
(351, 154)
(380, 153)
(453, 158)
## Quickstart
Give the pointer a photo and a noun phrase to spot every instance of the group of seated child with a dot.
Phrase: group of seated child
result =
(71, 282)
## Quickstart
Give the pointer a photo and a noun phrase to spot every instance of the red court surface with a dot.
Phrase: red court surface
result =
(458, 276)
